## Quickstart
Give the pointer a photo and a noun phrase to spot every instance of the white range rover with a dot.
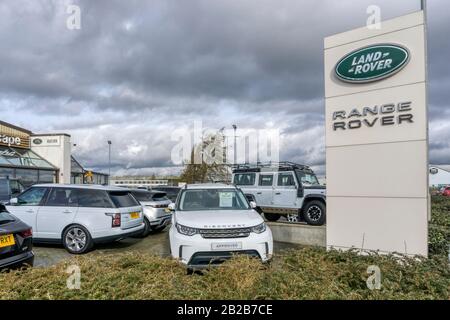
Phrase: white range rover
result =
(78, 216)
(211, 222)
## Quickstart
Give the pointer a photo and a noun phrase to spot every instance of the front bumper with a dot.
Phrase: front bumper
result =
(161, 222)
(18, 261)
(197, 252)
(157, 217)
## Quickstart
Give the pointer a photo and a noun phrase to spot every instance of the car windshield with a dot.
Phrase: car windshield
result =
(212, 199)
(308, 179)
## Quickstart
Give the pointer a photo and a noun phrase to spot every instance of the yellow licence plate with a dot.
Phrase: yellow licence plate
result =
(134, 215)
(7, 240)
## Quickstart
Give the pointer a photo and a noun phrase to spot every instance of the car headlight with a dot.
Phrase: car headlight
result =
(187, 231)
(260, 228)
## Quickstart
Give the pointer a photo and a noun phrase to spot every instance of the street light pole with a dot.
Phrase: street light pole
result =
(235, 148)
(109, 159)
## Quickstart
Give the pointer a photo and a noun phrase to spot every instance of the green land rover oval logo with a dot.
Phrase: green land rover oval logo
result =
(372, 63)
(37, 141)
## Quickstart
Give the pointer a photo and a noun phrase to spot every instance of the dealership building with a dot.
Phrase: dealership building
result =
(41, 158)
(439, 176)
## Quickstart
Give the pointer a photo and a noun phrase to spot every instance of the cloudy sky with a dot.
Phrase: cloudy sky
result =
(136, 70)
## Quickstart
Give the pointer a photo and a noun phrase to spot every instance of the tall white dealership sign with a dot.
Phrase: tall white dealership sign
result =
(376, 137)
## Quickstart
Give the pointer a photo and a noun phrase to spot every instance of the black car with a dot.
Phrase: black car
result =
(171, 192)
(15, 241)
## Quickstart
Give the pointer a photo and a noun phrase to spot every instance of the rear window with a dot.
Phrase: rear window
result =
(89, 198)
(123, 199)
(142, 195)
(171, 191)
(159, 196)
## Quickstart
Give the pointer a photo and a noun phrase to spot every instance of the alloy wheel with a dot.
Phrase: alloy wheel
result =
(314, 213)
(75, 239)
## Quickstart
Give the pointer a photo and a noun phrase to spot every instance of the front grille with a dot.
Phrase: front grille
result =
(225, 233)
(217, 257)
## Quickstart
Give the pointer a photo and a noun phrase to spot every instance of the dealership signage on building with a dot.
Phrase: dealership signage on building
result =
(46, 141)
(376, 137)
(10, 141)
(11, 136)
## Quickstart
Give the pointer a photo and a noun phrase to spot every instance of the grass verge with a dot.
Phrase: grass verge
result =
(308, 273)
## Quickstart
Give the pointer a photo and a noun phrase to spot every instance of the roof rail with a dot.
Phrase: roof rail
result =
(283, 165)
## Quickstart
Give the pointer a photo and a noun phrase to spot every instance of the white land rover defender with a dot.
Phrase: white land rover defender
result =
(283, 189)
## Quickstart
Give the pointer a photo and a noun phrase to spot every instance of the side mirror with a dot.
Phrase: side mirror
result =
(14, 201)
(253, 204)
(171, 207)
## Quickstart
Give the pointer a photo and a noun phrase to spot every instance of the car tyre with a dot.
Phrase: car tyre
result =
(272, 216)
(77, 239)
(314, 213)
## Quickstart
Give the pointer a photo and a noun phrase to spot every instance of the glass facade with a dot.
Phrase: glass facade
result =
(26, 166)
(78, 175)
(77, 172)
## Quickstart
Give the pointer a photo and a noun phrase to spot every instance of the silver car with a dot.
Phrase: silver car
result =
(156, 213)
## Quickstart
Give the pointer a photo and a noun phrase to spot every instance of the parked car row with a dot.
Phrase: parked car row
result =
(209, 222)
(78, 216)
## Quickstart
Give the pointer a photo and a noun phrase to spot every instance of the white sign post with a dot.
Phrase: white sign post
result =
(377, 137)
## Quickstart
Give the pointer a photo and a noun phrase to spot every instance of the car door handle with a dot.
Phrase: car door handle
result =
(259, 193)
(67, 211)
(277, 193)
(29, 211)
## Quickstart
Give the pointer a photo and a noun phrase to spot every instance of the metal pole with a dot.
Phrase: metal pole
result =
(109, 159)
(423, 7)
(235, 147)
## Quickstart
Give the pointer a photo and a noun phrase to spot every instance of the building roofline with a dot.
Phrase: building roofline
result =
(6, 124)
(50, 134)
(439, 166)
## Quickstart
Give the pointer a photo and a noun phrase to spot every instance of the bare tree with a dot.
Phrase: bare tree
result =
(213, 167)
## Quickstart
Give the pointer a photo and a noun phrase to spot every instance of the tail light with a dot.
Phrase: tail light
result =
(116, 220)
(27, 233)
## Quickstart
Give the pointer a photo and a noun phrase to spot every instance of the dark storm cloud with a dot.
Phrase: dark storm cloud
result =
(143, 68)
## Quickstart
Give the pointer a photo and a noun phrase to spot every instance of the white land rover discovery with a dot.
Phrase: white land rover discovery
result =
(283, 189)
(211, 222)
